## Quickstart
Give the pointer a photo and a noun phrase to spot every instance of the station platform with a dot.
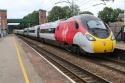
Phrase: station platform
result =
(21, 64)
(120, 45)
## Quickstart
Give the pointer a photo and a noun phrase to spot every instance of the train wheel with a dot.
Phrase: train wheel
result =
(43, 41)
(78, 51)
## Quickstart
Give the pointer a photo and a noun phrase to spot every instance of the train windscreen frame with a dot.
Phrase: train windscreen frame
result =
(102, 31)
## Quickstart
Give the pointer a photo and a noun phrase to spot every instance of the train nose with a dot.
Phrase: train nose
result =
(103, 45)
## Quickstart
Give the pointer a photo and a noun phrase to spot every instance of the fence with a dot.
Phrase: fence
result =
(118, 29)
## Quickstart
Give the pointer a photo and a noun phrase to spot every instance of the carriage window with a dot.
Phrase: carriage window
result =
(25, 31)
(76, 25)
(50, 30)
(42, 31)
(31, 31)
(53, 30)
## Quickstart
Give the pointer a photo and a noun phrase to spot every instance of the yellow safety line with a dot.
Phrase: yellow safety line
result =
(21, 63)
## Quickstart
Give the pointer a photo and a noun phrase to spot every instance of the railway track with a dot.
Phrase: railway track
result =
(77, 73)
(113, 64)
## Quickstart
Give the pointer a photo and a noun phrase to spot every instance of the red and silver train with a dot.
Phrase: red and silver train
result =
(82, 33)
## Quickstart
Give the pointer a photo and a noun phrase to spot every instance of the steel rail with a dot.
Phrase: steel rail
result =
(77, 73)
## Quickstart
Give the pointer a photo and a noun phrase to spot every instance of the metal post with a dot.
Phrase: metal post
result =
(0, 31)
(29, 24)
(124, 25)
(58, 18)
(72, 7)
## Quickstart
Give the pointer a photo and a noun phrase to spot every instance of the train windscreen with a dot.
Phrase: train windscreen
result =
(95, 26)
(98, 28)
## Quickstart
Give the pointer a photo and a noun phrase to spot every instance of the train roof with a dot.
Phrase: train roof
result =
(50, 25)
(86, 17)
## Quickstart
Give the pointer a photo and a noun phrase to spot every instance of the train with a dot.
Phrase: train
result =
(81, 34)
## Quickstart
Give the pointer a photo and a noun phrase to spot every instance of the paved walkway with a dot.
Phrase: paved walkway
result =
(120, 45)
(12, 66)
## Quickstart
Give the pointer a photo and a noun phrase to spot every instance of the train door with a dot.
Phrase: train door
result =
(38, 32)
(124, 34)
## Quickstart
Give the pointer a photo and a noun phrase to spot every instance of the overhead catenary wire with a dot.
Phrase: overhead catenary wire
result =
(102, 2)
(85, 3)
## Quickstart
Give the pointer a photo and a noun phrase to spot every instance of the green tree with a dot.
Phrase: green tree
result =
(58, 12)
(67, 11)
(31, 19)
(109, 14)
(116, 13)
(74, 10)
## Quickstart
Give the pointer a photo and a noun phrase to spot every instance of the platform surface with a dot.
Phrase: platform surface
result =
(10, 67)
(120, 45)
(18, 64)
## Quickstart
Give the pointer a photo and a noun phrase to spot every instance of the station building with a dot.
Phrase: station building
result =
(3, 22)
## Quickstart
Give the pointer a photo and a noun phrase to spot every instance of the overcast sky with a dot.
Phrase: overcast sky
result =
(20, 8)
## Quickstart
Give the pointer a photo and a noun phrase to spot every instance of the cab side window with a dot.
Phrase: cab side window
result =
(76, 25)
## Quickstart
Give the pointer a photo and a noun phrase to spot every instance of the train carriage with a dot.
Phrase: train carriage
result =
(84, 32)
(34, 31)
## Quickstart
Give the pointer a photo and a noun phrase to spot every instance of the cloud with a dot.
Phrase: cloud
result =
(20, 8)
(116, 4)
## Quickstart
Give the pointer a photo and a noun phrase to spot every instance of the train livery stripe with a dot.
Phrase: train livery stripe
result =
(21, 63)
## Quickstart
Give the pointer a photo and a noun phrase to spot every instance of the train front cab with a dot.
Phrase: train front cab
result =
(98, 38)
(101, 37)
(106, 45)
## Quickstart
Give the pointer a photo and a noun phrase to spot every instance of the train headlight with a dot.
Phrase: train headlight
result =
(113, 37)
(90, 38)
